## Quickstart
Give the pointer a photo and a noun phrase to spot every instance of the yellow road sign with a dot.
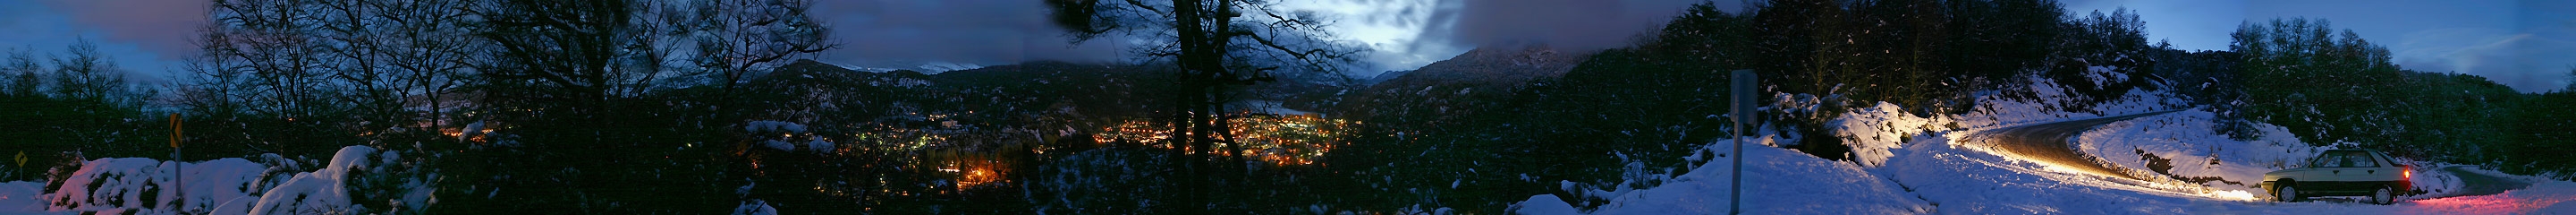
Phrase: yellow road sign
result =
(174, 130)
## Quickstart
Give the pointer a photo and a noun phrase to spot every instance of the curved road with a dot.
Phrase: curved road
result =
(2048, 143)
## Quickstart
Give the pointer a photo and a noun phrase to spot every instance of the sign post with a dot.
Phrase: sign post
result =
(1742, 89)
(178, 180)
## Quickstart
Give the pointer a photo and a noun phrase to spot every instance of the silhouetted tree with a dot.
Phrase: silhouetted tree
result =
(427, 51)
(82, 74)
(25, 73)
(1218, 46)
(735, 37)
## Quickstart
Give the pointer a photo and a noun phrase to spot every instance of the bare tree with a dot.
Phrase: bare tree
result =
(426, 52)
(356, 41)
(571, 46)
(735, 37)
(215, 82)
(23, 66)
(83, 74)
(277, 45)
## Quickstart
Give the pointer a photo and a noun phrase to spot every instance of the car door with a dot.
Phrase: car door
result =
(2364, 169)
(2337, 171)
(2382, 169)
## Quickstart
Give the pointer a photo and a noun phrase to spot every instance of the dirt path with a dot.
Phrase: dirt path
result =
(2048, 143)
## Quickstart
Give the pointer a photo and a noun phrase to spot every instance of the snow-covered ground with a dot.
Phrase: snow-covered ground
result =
(221, 186)
(1830, 187)
(1906, 164)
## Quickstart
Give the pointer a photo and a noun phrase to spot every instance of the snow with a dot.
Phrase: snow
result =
(1937, 172)
(2543, 197)
(778, 144)
(1545, 204)
(220, 186)
(773, 126)
(1963, 180)
(2189, 140)
(1704, 189)
(22, 197)
(319, 191)
(1907, 164)
(2040, 100)
(819, 145)
(790, 136)
(755, 207)
(128, 184)
(1872, 131)
(471, 130)
(930, 67)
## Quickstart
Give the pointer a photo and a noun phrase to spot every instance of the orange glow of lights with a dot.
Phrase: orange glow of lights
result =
(1279, 140)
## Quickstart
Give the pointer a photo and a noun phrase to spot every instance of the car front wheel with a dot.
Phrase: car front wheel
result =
(2287, 193)
(2383, 196)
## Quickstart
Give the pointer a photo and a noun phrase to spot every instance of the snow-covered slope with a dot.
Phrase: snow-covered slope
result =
(1847, 189)
(2185, 144)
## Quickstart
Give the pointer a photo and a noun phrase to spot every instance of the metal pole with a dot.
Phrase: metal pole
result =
(1745, 115)
(178, 179)
(1743, 112)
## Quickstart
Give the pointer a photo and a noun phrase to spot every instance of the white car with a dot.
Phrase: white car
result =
(2342, 173)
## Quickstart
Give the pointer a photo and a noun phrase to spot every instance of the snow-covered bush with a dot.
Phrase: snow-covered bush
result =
(788, 136)
(236, 186)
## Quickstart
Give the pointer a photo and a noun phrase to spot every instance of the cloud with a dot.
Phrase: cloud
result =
(895, 32)
(1564, 24)
(2526, 62)
(158, 26)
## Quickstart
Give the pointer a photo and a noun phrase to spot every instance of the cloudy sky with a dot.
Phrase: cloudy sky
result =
(2527, 44)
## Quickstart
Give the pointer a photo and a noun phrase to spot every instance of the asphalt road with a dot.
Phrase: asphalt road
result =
(2048, 143)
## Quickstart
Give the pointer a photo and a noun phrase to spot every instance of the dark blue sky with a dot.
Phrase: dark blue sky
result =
(2527, 44)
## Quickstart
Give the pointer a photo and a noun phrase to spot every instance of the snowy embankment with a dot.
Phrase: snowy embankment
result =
(221, 186)
(1875, 130)
(1928, 165)
(1840, 188)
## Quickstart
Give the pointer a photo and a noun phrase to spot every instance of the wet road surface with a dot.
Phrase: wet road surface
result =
(2049, 143)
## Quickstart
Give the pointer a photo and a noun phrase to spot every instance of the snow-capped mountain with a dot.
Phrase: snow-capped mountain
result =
(927, 67)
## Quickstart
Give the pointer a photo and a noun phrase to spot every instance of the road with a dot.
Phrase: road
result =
(2048, 143)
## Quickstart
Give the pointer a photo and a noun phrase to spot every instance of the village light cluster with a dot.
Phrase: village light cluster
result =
(1276, 139)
